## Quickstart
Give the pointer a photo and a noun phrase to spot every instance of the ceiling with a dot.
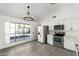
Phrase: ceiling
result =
(19, 10)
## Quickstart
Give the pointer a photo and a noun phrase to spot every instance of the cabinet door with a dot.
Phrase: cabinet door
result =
(69, 43)
(67, 24)
(51, 27)
(75, 24)
(50, 39)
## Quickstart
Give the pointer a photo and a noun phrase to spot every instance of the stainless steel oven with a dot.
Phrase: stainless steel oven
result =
(58, 41)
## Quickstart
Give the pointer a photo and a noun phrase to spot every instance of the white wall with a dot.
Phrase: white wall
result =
(2, 30)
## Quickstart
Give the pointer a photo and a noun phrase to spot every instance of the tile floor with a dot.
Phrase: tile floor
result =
(35, 49)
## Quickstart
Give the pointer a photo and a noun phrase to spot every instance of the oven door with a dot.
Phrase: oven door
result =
(58, 41)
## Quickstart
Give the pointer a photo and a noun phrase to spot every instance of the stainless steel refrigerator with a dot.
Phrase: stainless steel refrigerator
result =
(42, 34)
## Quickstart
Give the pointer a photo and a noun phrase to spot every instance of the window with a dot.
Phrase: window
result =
(12, 32)
(16, 32)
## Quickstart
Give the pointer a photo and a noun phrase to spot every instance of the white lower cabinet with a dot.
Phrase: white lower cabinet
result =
(69, 43)
(50, 39)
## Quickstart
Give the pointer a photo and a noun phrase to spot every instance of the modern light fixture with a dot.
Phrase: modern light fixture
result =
(28, 17)
(54, 17)
(52, 3)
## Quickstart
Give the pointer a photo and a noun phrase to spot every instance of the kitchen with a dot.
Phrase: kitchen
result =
(66, 15)
(58, 26)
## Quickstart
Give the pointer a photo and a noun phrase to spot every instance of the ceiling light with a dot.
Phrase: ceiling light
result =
(54, 17)
(52, 3)
(28, 17)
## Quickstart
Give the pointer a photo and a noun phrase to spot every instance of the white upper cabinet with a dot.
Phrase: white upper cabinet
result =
(60, 22)
(75, 24)
(67, 25)
(51, 27)
(71, 24)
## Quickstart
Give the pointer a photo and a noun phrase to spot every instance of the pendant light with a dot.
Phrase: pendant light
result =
(28, 17)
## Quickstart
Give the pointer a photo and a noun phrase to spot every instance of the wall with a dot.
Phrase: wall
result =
(2, 30)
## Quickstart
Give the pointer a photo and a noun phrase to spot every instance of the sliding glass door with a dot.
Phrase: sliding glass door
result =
(16, 32)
